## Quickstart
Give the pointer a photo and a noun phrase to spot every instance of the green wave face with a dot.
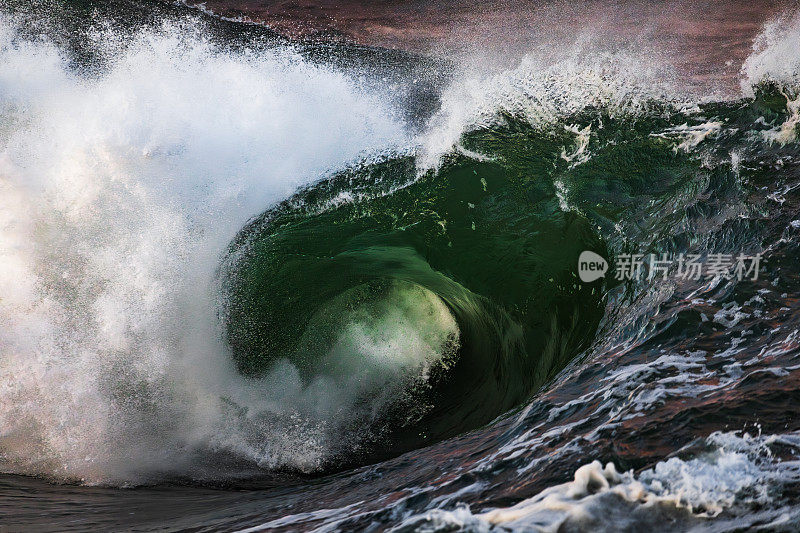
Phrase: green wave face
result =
(441, 302)
(454, 295)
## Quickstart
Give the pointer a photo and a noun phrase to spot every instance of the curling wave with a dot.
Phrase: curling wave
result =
(277, 276)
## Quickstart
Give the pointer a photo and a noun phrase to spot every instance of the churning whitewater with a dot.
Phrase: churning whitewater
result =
(119, 193)
(253, 266)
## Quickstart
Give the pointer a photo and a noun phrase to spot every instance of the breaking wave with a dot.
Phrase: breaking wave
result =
(245, 266)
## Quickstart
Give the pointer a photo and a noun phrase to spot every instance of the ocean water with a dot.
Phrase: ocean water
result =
(253, 284)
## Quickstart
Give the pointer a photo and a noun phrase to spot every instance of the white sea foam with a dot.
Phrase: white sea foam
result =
(118, 193)
(774, 56)
(775, 60)
(737, 473)
(543, 91)
(546, 90)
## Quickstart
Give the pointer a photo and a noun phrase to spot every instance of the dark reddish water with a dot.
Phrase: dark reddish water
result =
(706, 40)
